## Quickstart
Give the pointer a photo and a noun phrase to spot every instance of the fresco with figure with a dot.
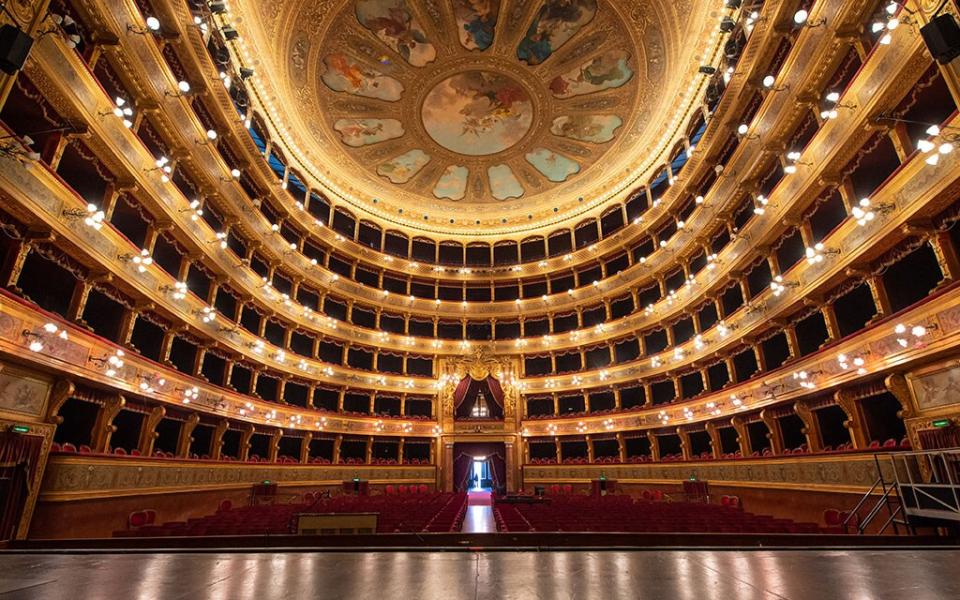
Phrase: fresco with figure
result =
(607, 71)
(477, 113)
(453, 183)
(397, 27)
(587, 128)
(552, 165)
(555, 23)
(343, 74)
(402, 168)
(363, 132)
(476, 22)
(503, 183)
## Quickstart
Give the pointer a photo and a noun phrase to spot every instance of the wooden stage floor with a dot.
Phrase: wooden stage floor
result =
(912, 574)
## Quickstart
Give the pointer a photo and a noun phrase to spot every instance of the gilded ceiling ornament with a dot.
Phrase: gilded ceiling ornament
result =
(523, 104)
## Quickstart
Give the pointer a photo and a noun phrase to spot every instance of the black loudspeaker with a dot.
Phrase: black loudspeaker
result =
(14, 47)
(942, 36)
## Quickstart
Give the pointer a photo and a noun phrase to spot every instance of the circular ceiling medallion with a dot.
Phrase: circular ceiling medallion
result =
(513, 113)
(477, 113)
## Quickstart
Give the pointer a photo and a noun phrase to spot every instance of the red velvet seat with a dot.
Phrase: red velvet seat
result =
(390, 490)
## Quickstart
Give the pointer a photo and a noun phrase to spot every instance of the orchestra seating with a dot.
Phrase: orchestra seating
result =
(636, 515)
(411, 512)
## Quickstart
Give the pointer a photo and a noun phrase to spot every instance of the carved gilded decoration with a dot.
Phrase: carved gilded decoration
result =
(854, 474)
(479, 365)
(71, 477)
(341, 59)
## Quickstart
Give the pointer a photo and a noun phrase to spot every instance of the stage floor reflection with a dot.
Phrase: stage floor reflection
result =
(682, 575)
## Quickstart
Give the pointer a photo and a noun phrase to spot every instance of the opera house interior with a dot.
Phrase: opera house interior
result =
(460, 277)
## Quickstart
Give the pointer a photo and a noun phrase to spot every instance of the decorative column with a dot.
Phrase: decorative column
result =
(774, 433)
(400, 450)
(216, 441)
(103, 428)
(305, 447)
(186, 435)
(590, 453)
(556, 442)
(337, 442)
(946, 255)
(148, 430)
(273, 450)
(654, 446)
(811, 426)
(246, 434)
(716, 445)
(743, 436)
(621, 448)
(685, 450)
(854, 421)
(368, 455)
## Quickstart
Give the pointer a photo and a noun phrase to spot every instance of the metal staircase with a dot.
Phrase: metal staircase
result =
(916, 488)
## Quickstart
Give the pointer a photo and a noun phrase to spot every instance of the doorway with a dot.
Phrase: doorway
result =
(481, 478)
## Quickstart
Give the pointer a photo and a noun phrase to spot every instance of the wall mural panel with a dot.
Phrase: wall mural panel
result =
(934, 390)
(555, 23)
(396, 26)
(528, 104)
(343, 74)
(402, 168)
(76, 477)
(477, 113)
(848, 472)
(553, 166)
(476, 22)
(364, 132)
(607, 71)
(597, 129)
(503, 183)
(453, 183)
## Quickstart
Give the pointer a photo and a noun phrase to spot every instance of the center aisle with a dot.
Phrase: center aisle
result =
(479, 518)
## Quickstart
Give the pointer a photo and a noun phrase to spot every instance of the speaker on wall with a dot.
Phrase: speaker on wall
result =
(14, 47)
(942, 36)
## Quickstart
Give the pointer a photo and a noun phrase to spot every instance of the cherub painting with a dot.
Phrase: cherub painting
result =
(555, 23)
(476, 20)
(598, 129)
(398, 28)
(609, 70)
(343, 74)
(363, 132)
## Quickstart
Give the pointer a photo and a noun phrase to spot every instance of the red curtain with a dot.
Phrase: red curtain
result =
(461, 392)
(468, 390)
(19, 457)
(463, 455)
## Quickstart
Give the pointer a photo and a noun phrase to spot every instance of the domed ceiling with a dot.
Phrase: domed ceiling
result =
(475, 116)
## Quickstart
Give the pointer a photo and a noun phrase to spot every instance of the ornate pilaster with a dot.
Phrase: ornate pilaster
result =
(743, 435)
(811, 426)
(774, 433)
(854, 420)
(186, 435)
(148, 430)
(104, 428)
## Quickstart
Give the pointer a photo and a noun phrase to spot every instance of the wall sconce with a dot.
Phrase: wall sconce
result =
(779, 286)
(183, 89)
(142, 260)
(37, 339)
(178, 290)
(816, 253)
(91, 215)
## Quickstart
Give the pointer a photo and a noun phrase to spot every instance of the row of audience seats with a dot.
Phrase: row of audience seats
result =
(416, 509)
(627, 514)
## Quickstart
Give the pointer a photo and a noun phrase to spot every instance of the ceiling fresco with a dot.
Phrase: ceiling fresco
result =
(472, 110)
